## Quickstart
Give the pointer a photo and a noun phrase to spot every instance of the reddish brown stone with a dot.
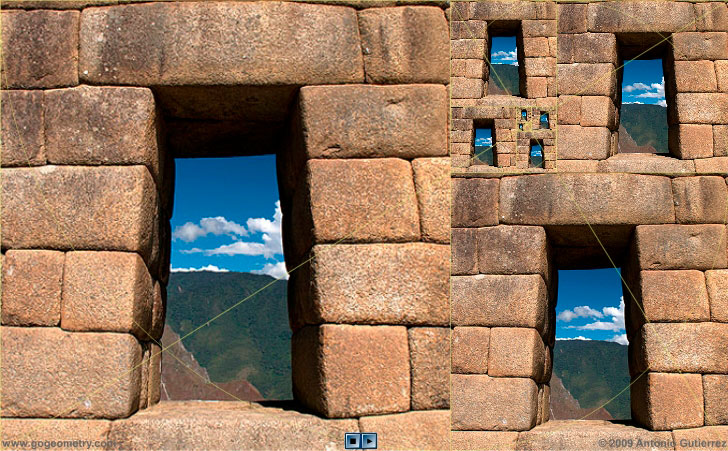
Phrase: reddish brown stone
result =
(584, 434)
(159, 307)
(374, 121)
(717, 283)
(470, 350)
(587, 48)
(432, 184)
(480, 440)
(711, 16)
(516, 352)
(721, 71)
(536, 28)
(569, 109)
(331, 361)
(428, 430)
(155, 374)
(46, 431)
(468, 29)
(681, 347)
(430, 364)
(717, 165)
(715, 391)
(695, 76)
(47, 372)
(689, 141)
(493, 403)
(572, 18)
(701, 108)
(266, 43)
(584, 143)
(467, 48)
(720, 140)
(512, 250)
(662, 401)
(107, 291)
(464, 250)
(598, 112)
(597, 79)
(536, 47)
(499, 300)
(475, 202)
(22, 128)
(700, 199)
(673, 296)
(31, 288)
(92, 125)
(700, 439)
(466, 88)
(681, 246)
(405, 45)
(510, 10)
(700, 46)
(40, 49)
(639, 16)
(56, 207)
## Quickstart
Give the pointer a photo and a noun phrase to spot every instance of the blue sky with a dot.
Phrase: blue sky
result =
(643, 82)
(590, 306)
(503, 50)
(226, 216)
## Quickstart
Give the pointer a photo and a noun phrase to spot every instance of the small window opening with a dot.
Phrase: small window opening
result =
(484, 145)
(505, 55)
(535, 156)
(544, 121)
(520, 126)
(524, 115)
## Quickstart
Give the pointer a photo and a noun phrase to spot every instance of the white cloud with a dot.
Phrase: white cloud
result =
(277, 270)
(211, 268)
(621, 339)
(636, 87)
(574, 338)
(189, 231)
(617, 319)
(651, 91)
(504, 56)
(582, 311)
(483, 141)
(637, 102)
(662, 103)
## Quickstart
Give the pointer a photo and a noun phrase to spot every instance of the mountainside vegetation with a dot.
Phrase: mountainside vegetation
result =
(503, 77)
(646, 124)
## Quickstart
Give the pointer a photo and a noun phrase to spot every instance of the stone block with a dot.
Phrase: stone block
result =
(584, 143)
(587, 48)
(540, 67)
(695, 76)
(48, 372)
(716, 165)
(584, 434)
(428, 430)
(537, 28)
(662, 401)
(374, 121)
(474, 202)
(672, 296)
(432, 184)
(552, 199)
(406, 44)
(330, 362)
(493, 403)
(717, 283)
(536, 47)
(572, 18)
(107, 291)
(499, 300)
(720, 140)
(379, 283)
(159, 307)
(155, 374)
(47, 431)
(598, 112)
(589, 79)
(479, 440)
(512, 250)
(688, 141)
(569, 110)
(21, 119)
(470, 350)
(31, 287)
(641, 163)
(468, 29)
(464, 248)
(579, 165)
(57, 207)
(430, 367)
(701, 108)
(681, 347)
(700, 199)
(516, 352)
(466, 88)
(536, 87)
(227, 425)
(681, 246)
(721, 72)
(639, 16)
(703, 439)
(92, 126)
(362, 200)
(40, 49)
(266, 43)
(695, 46)
(510, 10)
(715, 392)
(467, 48)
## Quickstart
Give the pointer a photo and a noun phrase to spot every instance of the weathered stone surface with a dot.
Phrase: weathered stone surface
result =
(31, 288)
(432, 184)
(512, 250)
(717, 165)
(662, 401)
(466, 88)
(266, 43)
(640, 163)
(430, 366)
(591, 79)
(587, 434)
(691, 140)
(227, 425)
(572, 18)
(695, 76)
(330, 362)
(639, 16)
(700, 46)
(598, 112)
(405, 45)
(676, 347)
(412, 430)
(569, 110)
(583, 143)
(92, 125)
(700, 199)
(40, 49)
(717, 283)
(537, 28)
(467, 48)
(701, 108)
(468, 29)
(159, 307)
(509, 10)
(374, 121)
(155, 374)
(48, 372)
(46, 431)
(493, 403)
(499, 300)
(720, 140)
(58, 207)
(577, 198)
(363, 200)
(703, 439)
(536, 47)
(681, 246)
(516, 352)
(587, 48)
(464, 248)
(578, 165)
(721, 71)
(672, 296)
(711, 16)
(107, 291)
(715, 392)
(479, 440)
(380, 283)
(470, 347)
(21, 118)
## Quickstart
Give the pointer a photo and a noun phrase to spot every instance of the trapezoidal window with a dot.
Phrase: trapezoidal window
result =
(535, 154)
(484, 144)
(505, 58)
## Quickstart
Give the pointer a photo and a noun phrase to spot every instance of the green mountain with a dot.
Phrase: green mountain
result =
(646, 124)
(505, 77)
(250, 342)
(594, 372)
